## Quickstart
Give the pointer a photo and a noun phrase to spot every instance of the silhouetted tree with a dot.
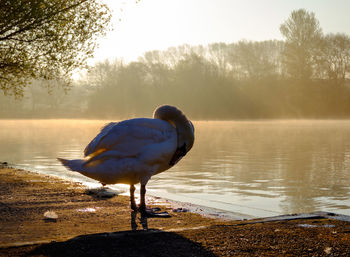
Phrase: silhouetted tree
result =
(219, 54)
(334, 58)
(303, 33)
(256, 60)
(44, 39)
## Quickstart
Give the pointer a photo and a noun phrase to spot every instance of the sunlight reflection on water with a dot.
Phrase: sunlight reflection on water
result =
(260, 168)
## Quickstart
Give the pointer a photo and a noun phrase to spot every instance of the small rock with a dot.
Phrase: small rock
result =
(3, 164)
(51, 216)
(181, 210)
(102, 192)
(328, 250)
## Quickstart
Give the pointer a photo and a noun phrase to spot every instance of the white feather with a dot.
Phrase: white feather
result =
(128, 152)
(132, 151)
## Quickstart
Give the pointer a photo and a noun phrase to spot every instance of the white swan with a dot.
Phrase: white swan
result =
(132, 151)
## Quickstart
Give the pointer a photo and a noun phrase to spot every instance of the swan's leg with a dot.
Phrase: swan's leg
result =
(142, 207)
(132, 198)
(149, 212)
(133, 220)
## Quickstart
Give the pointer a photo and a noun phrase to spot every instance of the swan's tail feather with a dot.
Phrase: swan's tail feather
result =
(73, 165)
(63, 161)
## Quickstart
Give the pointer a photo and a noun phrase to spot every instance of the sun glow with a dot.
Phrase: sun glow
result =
(158, 24)
(140, 27)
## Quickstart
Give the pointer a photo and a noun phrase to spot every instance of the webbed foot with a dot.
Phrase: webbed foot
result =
(153, 213)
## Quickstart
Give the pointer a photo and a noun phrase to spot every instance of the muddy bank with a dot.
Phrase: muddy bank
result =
(93, 226)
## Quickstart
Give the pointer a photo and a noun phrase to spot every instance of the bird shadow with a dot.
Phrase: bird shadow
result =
(145, 242)
(133, 221)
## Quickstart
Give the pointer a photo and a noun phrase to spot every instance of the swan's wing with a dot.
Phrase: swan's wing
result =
(91, 147)
(130, 151)
(129, 138)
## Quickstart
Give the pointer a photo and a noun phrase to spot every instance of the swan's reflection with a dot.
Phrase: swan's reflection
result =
(142, 221)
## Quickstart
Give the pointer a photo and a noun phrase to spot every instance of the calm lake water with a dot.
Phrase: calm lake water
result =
(259, 168)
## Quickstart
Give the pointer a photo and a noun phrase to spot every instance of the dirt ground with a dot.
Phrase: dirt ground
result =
(87, 225)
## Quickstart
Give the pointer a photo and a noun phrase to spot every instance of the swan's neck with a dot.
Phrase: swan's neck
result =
(183, 127)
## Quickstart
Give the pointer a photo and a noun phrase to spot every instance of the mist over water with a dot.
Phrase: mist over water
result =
(259, 168)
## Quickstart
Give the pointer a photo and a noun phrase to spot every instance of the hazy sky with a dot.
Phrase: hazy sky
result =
(159, 24)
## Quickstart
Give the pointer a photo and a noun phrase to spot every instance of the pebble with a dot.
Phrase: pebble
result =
(181, 210)
(50, 215)
(3, 164)
(102, 192)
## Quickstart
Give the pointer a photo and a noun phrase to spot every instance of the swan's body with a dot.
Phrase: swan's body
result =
(128, 152)
(132, 151)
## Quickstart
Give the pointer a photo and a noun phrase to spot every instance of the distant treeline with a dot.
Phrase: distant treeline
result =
(304, 76)
(245, 80)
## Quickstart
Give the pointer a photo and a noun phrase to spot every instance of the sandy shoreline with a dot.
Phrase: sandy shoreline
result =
(91, 226)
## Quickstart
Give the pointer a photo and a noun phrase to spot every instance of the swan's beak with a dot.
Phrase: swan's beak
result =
(179, 153)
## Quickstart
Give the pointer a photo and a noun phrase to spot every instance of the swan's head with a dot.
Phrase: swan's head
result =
(184, 129)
